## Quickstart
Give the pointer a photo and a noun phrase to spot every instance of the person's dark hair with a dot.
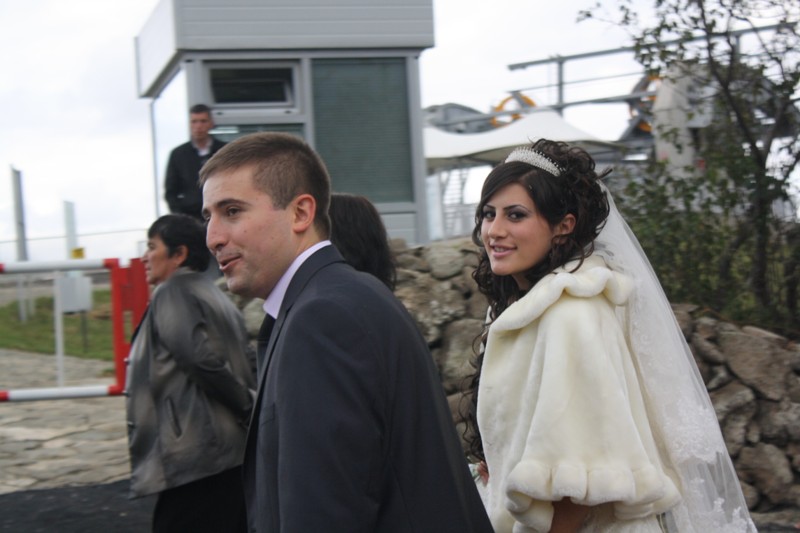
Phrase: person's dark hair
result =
(200, 108)
(358, 233)
(284, 166)
(575, 191)
(178, 230)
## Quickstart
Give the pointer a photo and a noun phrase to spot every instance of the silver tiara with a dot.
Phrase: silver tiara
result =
(534, 158)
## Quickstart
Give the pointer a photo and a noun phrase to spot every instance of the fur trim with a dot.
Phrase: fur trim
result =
(532, 485)
(593, 278)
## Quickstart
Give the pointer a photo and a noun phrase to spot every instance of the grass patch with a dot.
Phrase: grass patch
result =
(37, 333)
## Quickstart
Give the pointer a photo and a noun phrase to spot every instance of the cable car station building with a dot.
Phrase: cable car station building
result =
(343, 75)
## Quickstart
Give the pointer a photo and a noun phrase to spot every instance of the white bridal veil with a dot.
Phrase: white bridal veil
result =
(680, 411)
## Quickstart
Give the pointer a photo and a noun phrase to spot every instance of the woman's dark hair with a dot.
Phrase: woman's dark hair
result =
(182, 230)
(358, 233)
(575, 191)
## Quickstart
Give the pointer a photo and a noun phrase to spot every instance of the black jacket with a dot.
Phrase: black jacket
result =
(351, 429)
(190, 385)
(180, 185)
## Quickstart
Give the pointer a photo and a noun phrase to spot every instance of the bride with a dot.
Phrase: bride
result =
(588, 412)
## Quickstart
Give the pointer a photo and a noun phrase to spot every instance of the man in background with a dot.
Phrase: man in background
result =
(183, 169)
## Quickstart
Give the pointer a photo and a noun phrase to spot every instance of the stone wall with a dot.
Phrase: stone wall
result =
(753, 376)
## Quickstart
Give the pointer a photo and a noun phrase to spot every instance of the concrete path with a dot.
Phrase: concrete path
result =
(55, 443)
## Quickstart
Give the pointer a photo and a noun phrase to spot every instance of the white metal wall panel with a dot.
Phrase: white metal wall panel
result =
(303, 24)
(401, 226)
(155, 45)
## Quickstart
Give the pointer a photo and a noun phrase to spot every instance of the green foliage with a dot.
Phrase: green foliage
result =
(37, 333)
(673, 220)
(688, 232)
(712, 231)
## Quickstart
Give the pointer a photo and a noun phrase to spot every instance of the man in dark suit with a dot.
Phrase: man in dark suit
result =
(181, 190)
(351, 430)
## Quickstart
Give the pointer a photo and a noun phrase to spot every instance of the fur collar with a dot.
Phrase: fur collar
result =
(591, 279)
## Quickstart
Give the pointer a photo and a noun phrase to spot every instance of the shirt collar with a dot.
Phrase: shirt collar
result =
(272, 305)
(204, 150)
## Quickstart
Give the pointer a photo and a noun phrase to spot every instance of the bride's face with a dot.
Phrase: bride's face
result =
(515, 235)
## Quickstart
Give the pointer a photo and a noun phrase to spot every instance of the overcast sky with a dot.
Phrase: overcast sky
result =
(72, 123)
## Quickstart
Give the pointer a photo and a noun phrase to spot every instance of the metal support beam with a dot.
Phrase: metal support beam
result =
(585, 55)
(19, 215)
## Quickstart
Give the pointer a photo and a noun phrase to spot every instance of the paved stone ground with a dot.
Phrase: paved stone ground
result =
(51, 443)
(64, 463)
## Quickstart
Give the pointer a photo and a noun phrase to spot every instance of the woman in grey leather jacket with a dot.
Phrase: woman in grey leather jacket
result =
(190, 387)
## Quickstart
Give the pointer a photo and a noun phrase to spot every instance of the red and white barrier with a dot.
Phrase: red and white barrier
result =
(59, 393)
(129, 297)
(31, 267)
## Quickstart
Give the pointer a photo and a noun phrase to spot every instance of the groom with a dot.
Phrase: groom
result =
(351, 430)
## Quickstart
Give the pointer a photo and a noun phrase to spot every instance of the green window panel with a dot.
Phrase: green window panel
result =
(361, 120)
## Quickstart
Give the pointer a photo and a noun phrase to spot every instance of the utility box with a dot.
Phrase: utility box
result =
(75, 293)
(343, 75)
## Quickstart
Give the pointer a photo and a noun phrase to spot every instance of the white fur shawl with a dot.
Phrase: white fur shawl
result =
(560, 409)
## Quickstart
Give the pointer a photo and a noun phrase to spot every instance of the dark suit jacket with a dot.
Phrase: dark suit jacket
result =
(351, 430)
(181, 189)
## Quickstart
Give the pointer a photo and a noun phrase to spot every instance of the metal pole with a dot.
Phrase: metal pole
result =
(561, 87)
(50, 393)
(22, 243)
(75, 252)
(155, 158)
(19, 215)
(58, 319)
(69, 227)
(47, 266)
(662, 44)
(22, 301)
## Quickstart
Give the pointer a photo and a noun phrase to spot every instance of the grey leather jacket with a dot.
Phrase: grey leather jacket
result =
(190, 385)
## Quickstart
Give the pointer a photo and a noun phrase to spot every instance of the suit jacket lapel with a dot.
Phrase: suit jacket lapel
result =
(311, 266)
(318, 260)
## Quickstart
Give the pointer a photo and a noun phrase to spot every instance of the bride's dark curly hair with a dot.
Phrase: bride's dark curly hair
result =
(575, 191)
